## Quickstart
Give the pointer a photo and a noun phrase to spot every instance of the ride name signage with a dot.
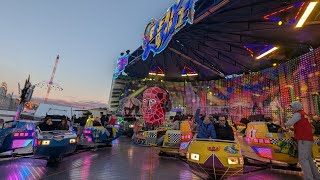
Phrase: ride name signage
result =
(122, 62)
(158, 33)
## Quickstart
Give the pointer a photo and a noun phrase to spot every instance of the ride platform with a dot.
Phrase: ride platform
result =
(122, 161)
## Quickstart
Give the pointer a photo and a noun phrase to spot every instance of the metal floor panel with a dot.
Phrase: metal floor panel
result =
(122, 161)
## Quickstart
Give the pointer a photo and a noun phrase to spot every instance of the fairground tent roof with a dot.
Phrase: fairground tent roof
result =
(227, 36)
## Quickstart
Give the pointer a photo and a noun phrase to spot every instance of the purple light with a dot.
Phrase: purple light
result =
(184, 145)
(87, 131)
(263, 152)
(122, 62)
(20, 143)
(89, 139)
(35, 142)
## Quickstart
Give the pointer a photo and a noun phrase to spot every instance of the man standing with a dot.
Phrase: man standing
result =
(303, 135)
(103, 119)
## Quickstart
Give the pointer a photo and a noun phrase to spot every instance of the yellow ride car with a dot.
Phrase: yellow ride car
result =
(217, 158)
(277, 147)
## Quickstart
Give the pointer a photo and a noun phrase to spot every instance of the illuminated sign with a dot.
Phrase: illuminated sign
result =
(158, 33)
(122, 62)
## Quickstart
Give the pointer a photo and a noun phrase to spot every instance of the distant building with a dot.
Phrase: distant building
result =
(7, 101)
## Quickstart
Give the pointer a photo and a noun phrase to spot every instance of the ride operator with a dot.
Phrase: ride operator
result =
(303, 135)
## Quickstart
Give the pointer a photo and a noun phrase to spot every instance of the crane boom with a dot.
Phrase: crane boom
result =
(51, 79)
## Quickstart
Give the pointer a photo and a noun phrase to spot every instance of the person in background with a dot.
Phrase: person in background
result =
(113, 120)
(244, 121)
(97, 122)
(272, 127)
(191, 122)
(316, 125)
(206, 129)
(137, 127)
(212, 119)
(47, 125)
(63, 125)
(103, 119)
(176, 124)
(223, 129)
(89, 122)
(303, 134)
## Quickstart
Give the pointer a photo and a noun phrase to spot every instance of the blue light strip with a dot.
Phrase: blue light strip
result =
(255, 46)
(266, 49)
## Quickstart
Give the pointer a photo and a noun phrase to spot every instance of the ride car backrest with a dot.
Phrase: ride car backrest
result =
(255, 118)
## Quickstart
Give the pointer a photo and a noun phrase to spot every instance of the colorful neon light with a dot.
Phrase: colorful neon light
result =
(122, 62)
(184, 145)
(263, 152)
(252, 47)
(278, 19)
(188, 72)
(249, 50)
(159, 33)
(267, 49)
(277, 12)
(20, 143)
(299, 10)
(86, 131)
(157, 71)
(306, 14)
(267, 52)
(21, 134)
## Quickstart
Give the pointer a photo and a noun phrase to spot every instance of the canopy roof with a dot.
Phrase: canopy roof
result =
(225, 35)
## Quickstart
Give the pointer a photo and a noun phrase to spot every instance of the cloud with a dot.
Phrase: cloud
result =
(77, 104)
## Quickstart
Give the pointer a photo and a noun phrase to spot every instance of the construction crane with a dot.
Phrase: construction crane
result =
(51, 79)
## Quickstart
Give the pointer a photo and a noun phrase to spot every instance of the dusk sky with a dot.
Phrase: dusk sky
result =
(88, 35)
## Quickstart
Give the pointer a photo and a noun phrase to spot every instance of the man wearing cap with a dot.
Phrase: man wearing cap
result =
(304, 136)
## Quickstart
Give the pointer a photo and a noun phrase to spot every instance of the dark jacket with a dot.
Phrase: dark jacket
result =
(60, 127)
(224, 132)
(204, 130)
(316, 126)
(46, 127)
(104, 119)
(83, 121)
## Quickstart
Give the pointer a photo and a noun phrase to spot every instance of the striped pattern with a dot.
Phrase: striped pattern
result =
(317, 161)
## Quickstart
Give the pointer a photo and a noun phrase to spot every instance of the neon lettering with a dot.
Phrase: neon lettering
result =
(158, 34)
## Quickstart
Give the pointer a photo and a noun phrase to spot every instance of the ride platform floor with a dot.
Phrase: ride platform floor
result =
(122, 161)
